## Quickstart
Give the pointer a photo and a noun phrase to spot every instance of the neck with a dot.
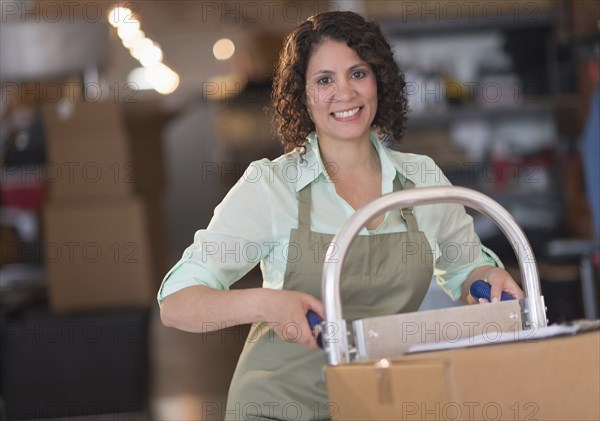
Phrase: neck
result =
(348, 156)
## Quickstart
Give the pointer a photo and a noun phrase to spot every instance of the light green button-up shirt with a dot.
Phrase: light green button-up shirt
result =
(252, 224)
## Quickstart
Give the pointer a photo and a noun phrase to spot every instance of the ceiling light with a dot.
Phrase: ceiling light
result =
(130, 42)
(119, 15)
(129, 29)
(151, 55)
(139, 46)
(162, 78)
(139, 80)
(223, 49)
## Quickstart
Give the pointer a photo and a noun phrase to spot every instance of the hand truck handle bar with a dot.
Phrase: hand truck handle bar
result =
(336, 342)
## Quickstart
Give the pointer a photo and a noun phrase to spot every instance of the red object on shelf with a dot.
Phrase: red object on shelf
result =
(23, 197)
(22, 192)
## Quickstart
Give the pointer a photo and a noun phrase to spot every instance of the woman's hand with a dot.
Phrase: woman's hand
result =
(500, 281)
(286, 312)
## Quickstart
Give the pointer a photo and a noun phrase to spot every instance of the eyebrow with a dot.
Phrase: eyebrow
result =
(329, 72)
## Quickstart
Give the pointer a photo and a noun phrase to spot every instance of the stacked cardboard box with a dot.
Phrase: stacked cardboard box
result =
(104, 221)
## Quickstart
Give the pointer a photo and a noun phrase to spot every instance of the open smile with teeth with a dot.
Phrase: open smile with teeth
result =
(346, 114)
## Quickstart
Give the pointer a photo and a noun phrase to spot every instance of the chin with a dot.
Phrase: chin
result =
(350, 134)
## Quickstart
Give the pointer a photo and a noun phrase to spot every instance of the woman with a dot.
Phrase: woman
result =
(337, 92)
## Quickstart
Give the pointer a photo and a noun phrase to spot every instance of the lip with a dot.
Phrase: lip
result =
(353, 117)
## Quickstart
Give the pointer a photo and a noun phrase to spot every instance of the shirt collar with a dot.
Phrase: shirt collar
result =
(312, 167)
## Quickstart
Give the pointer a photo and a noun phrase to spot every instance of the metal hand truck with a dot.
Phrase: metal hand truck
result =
(379, 337)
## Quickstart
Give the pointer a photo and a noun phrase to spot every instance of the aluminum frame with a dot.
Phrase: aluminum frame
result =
(335, 338)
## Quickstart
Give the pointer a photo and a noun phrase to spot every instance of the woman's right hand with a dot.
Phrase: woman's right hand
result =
(286, 312)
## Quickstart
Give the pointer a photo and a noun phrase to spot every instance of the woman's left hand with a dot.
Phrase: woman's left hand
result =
(500, 281)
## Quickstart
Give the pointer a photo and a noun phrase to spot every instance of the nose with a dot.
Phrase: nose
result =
(344, 91)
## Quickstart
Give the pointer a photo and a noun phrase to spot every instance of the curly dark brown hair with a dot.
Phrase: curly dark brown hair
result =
(288, 98)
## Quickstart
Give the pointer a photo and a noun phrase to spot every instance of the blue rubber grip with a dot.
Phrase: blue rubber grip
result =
(314, 321)
(481, 289)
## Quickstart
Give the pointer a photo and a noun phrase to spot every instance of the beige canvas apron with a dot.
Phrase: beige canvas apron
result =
(279, 380)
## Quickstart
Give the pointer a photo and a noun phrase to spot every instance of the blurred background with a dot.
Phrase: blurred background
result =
(122, 126)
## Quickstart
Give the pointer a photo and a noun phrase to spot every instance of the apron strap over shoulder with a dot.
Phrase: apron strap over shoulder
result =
(407, 214)
(304, 203)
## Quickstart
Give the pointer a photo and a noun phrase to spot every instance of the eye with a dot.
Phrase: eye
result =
(359, 74)
(325, 80)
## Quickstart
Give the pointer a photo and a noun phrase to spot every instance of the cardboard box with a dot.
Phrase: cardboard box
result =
(97, 255)
(551, 379)
(87, 151)
(93, 151)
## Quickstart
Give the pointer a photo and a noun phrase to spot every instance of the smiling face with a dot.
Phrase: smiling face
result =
(341, 92)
